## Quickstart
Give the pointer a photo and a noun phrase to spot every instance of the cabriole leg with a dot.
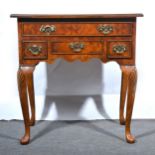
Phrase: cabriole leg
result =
(25, 82)
(132, 80)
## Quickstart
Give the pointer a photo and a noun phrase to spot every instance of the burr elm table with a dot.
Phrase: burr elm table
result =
(108, 37)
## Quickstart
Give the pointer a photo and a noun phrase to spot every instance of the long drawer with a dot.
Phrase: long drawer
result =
(76, 29)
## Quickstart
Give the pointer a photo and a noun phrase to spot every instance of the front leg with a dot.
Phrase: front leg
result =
(24, 72)
(132, 80)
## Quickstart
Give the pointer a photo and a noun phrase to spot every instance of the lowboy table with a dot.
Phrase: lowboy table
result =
(108, 37)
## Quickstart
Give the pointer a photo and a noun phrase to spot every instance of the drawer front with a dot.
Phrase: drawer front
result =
(77, 29)
(119, 49)
(78, 47)
(34, 50)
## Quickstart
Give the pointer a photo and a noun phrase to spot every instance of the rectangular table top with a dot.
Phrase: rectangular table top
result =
(76, 15)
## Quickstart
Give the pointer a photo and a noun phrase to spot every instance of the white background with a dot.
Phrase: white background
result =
(81, 90)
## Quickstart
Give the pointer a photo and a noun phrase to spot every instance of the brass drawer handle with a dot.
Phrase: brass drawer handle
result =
(76, 46)
(119, 49)
(105, 29)
(35, 50)
(47, 28)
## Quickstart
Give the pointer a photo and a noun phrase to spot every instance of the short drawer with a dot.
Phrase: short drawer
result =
(77, 47)
(77, 29)
(34, 50)
(119, 49)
